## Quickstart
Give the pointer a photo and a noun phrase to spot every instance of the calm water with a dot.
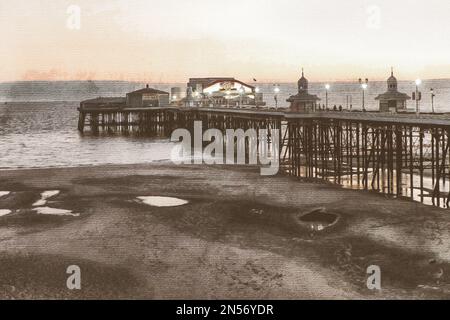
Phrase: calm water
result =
(45, 135)
(38, 123)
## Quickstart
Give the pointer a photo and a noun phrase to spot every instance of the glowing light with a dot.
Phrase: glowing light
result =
(418, 82)
(276, 90)
(257, 89)
(364, 86)
(327, 86)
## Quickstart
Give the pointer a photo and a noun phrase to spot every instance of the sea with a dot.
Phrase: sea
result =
(38, 119)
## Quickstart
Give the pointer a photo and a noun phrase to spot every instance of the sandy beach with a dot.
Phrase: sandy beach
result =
(239, 236)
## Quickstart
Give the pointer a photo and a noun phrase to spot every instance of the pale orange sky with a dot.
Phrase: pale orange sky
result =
(270, 40)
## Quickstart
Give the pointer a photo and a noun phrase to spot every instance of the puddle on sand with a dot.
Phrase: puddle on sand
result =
(55, 212)
(319, 219)
(4, 212)
(162, 201)
(4, 193)
(45, 196)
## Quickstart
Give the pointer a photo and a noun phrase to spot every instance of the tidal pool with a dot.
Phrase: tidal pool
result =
(319, 219)
(4, 193)
(4, 212)
(55, 212)
(45, 196)
(162, 201)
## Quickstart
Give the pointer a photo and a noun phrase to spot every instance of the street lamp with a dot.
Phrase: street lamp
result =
(418, 96)
(349, 102)
(276, 90)
(327, 88)
(241, 91)
(209, 98)
(196, 98)
(432, 99)
(364, 85)
(227, 98)
(257, 90)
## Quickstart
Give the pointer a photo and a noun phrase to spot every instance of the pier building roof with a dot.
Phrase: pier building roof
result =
(303, 96)
(204, 82)
(393, 96)
(102, 102)
(233, 81)
(392, 93)
(147, 90)
(105, 100)
(225, 83)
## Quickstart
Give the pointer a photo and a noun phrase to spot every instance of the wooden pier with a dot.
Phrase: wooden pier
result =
(400, 155)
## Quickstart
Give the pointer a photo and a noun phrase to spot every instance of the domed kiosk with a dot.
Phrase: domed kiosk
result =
(303, 101)
(392, 100)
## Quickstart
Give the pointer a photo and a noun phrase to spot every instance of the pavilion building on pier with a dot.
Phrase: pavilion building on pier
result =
(392, 100)
(222, 92)
(303, 101)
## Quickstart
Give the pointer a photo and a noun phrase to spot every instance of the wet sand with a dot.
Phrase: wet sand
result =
(240, 236)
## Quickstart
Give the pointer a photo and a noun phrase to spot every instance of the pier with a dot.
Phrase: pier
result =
(399, 155)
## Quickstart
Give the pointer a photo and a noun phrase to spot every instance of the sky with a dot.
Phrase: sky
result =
(270, 40)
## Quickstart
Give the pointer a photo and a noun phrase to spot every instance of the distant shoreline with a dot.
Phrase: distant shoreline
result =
(266, 82)
(10, 102)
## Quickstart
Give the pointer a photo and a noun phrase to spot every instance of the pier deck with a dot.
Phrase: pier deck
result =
(425, 119)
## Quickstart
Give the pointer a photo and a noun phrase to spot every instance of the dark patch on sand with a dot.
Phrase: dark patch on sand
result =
(127, 181)
(30, 218)
(44, 277)
(20, 199)
(8, 185)
(404, 270)
(155, 184)
(278, 230)
(209, 219)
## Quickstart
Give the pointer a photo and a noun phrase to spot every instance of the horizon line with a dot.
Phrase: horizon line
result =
(179, 82)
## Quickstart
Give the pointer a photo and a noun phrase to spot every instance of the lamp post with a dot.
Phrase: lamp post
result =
(418, 96)
(196, 95)
(432, 99)
(256, 99)
(209, 98)
(241, 91)
(364, 84)
(327, 88)
(348, 101)
(276, 90)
